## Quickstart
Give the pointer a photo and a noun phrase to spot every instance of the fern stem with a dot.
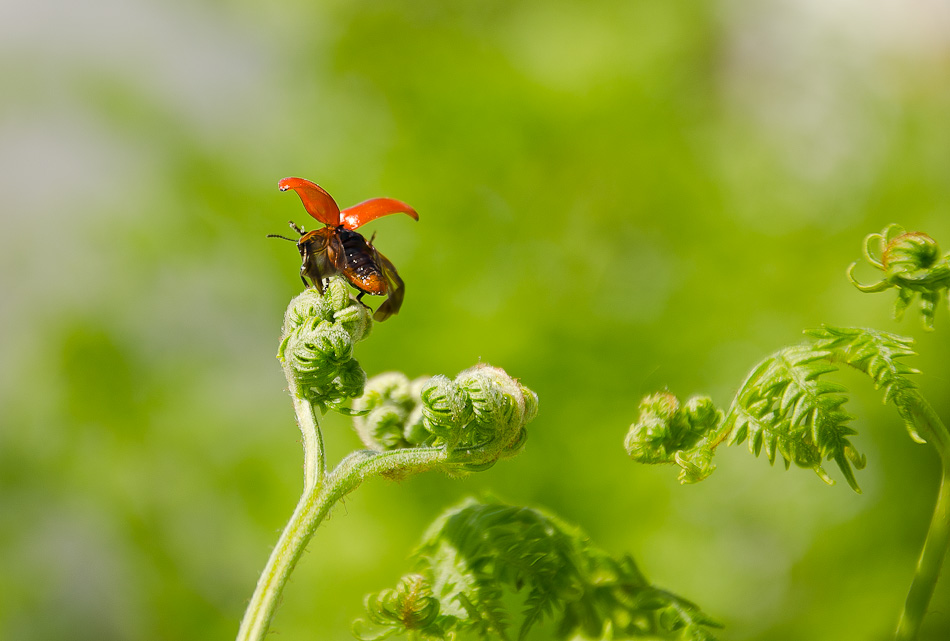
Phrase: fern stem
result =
(315, 462)
(307, 516)
(928, 567)
(311, 510)
(928, 424)
(938, 535)
(298, 530)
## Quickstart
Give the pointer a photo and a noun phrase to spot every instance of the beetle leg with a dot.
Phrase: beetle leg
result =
(359, 299)
(303, 266)
(317, 282)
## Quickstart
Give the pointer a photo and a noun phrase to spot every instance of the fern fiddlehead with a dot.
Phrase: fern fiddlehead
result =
(912, 264)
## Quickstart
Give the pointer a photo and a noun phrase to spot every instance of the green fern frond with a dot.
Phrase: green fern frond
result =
(871, 351)
(787, 409)
(876, 354)
(477, 556)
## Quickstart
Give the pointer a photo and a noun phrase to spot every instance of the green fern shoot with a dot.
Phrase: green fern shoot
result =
(789, 408)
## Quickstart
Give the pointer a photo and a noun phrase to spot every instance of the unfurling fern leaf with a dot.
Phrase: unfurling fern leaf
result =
(476, 556)
(911, 263)
(785, 407)
(876, 354)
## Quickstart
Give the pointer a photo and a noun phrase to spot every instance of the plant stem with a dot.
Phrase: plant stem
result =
(321, 492)
(299, 529)
(938, 535)
(315, 462)
(309, 513)
(928, 567)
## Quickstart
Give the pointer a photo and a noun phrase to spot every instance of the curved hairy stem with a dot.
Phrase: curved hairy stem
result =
(314, 456)
(310, 513)
(316, 354)
(937, 542)
(928, 566)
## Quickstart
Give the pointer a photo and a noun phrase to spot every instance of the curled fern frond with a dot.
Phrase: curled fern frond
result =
(410, 606)
(478, 418)
(477, 556)
(317, 342)
(390, 412)
(665, 432)
(911, 263)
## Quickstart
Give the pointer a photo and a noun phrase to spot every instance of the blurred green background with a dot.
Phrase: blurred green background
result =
(615, 197)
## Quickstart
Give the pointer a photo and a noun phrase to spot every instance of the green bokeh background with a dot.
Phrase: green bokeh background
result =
(615, 197)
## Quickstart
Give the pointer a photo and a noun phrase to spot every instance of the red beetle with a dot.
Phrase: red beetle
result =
(337, 249)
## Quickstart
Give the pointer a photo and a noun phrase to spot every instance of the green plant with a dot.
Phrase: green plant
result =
(456, 426)
(481, 561)
(475, 558)
(788, 408)
(911, 263)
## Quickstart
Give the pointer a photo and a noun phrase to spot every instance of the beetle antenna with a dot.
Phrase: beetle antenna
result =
(279, 236)
(293, 225)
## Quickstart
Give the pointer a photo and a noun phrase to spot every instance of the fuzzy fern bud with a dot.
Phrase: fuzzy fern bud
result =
(409, 607)
(316, 349)
(446, 407)
(390, 412)
(911, 263)
(665, 432)
(501, 407)
(478, 418)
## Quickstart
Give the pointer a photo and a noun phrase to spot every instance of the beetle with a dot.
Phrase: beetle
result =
(337, 249)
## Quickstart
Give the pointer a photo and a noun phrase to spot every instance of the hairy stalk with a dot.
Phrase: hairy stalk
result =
(938, 535)
(928, 566)
(308, 514)
(314, 457)
(312, 509)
